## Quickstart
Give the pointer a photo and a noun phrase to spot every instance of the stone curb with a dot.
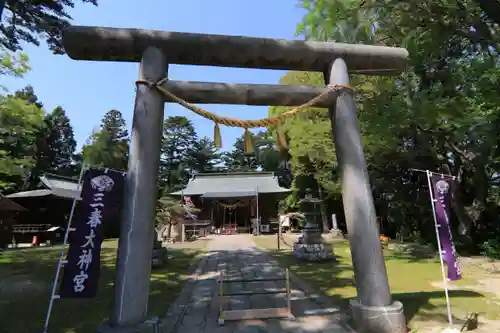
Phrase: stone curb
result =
(178, 308)
(318, 298)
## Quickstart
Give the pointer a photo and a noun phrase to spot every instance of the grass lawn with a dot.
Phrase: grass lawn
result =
(414, 281)
(26, 277)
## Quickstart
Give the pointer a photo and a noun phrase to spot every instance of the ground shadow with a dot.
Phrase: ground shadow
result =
(324, 275)
(332, 279)
(26, 277)
(409, 252)
(420, 303)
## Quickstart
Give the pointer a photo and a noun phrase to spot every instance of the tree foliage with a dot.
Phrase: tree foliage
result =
(203, 156)
(179, 137)
(28, 21)
(20, 122)
(310, 144)
(171, 211)
(13, 64)
(441, 114)
(108, 147)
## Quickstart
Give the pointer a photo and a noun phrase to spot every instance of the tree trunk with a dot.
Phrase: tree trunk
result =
(464, 219)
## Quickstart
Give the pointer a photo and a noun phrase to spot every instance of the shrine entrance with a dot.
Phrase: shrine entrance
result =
(233, 216)
(373, 309)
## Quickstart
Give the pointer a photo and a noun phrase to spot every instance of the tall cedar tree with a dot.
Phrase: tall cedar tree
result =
(179, 137)
(55, 142)
(56, 145)
(108, 147)
(203, 156)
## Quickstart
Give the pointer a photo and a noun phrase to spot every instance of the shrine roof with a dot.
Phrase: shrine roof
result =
(58, 186)
(232, 184)
(7, 205)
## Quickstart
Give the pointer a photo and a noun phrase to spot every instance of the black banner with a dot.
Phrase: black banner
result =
(102, 190)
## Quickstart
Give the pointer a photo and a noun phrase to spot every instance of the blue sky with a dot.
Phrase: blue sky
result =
(86, 90)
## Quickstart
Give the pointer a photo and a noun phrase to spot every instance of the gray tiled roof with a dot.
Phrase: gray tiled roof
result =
(233, 184)
(61, 187)
(57, 186)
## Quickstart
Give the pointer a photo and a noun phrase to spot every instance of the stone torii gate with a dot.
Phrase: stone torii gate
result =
(373, 310)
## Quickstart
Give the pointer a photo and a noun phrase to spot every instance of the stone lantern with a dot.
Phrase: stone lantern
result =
(311, 245)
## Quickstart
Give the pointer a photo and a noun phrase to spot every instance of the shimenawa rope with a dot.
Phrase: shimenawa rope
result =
(268, 122)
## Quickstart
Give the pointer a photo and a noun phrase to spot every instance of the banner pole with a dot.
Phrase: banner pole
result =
(445, 280)
(432, 173)
(63, 250)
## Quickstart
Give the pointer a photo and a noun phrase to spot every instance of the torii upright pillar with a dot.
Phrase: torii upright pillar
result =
(373, 310)
(135, 247)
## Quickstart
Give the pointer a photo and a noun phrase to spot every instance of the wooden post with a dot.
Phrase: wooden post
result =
(322, 207)
(278, 234)
(133, 266)
(288, 294)
(373, 310)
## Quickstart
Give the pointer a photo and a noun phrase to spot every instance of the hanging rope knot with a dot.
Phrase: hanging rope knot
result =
(268, 122)
(147, 83)
(339, 87)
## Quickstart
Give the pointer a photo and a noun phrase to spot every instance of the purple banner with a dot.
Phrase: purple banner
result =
(101, 192)
(442, 189)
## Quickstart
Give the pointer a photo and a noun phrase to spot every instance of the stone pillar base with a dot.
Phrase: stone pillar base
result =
(149, 326)
(313, 252)
(336, 233)
(378, 319)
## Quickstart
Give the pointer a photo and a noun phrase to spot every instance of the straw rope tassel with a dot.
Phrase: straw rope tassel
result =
(247, 140)
(217, 136)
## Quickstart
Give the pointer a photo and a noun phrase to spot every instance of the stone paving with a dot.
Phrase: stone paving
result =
(197, 308)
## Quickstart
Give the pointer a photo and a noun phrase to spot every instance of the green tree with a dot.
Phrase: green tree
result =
(203, 156)
(55, 142)
(62, 141)
(13, 64)
(238, 160)
(28, 21)
(179, 137)
(28, 94)
(312, 155)
(266, 156)
(441, 114)
(170, 212)
(108, 147)
(56, 146)
(19, 124)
